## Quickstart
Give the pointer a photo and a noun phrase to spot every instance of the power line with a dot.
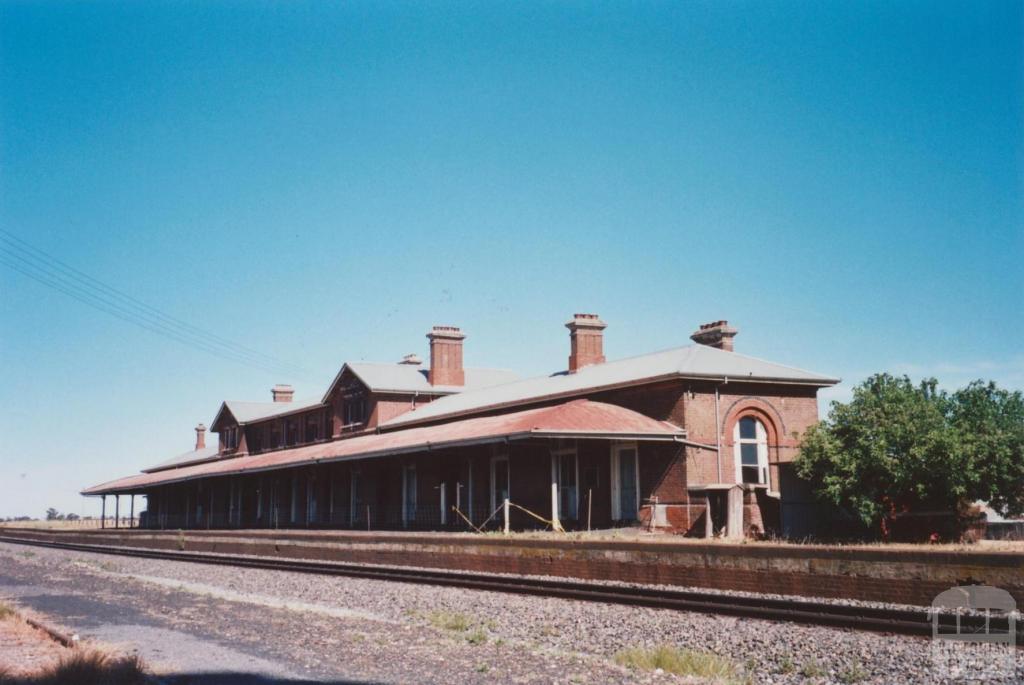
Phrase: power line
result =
(52, 263)
(120, 314)
(57, 275)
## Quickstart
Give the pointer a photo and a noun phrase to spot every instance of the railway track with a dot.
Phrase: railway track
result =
(878, 619)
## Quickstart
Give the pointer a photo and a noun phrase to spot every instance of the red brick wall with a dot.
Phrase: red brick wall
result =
(879, 574)
(786, 410)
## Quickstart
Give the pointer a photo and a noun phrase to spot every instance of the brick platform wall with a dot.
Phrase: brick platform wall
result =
(887, 575)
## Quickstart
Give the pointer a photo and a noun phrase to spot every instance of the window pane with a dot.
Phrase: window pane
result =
(751, 474)
(500, 481)
(748, 428)
(567, 486)
(567, 504)
(627, 485)
(748, 454)
(567, 477)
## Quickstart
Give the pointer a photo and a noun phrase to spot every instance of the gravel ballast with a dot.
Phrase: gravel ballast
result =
(331, 627)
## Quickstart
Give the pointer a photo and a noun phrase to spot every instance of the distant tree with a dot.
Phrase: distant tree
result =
(903, 447)
(72, 517)
(52, 514)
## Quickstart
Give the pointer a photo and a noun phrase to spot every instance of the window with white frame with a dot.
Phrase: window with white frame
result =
(750, 440)
(499, 480)
(565, 479)
(355, 496)
(625, 481)
(230, 438)
(408, 494)
(354, 410)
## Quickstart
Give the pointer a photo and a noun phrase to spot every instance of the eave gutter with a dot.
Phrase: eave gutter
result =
(821, 383)
(667, 436)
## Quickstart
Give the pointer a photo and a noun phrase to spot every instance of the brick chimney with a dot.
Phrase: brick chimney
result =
(718, 334)
(446, 356)
(586, 337)
(200, 436)
(282, 392)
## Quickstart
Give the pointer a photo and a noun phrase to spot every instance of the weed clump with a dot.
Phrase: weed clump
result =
(86, 667)
(449, 620)
(683, 662)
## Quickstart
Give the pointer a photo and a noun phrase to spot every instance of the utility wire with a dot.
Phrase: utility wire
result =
(25, 249)
(51, 272)
(120, 314)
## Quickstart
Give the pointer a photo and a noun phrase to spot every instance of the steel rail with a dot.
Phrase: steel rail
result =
(811, 612)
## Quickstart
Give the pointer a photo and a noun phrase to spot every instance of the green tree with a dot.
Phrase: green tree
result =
(989, 423)
(52, 514)
(903, 447)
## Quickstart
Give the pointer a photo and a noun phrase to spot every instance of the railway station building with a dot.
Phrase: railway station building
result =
(698, 439)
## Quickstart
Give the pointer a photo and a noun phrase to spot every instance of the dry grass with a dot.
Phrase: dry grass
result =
(449, 620)
(60, 525)
(86, 667)
(82, 666)
(683, 662)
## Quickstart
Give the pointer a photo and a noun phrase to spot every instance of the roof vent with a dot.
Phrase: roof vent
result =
(411, 360)
(282, 392)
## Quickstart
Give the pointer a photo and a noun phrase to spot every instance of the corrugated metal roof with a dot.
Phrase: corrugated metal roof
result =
(193, 457)
(411, 378)
(579, 418)
(691, 361)
(247, 412)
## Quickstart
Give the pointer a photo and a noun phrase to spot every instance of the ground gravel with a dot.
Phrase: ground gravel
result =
(388, 632)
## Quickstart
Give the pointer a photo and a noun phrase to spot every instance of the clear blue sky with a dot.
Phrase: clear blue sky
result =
(323, 181)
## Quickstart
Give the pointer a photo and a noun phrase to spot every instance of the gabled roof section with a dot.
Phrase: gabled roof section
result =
(412, 378)
(691, 361)
(185, 459)
(250, 412)
(580, 419)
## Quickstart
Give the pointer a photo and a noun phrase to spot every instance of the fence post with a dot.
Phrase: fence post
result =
(505, 508)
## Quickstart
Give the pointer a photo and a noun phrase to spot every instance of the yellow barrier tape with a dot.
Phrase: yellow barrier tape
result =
(555, 525)
(468, 522)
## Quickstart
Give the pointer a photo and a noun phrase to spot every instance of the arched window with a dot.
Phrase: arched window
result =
(750, 443)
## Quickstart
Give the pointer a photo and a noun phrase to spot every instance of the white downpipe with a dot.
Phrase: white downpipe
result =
(554, 490)
(505, 508)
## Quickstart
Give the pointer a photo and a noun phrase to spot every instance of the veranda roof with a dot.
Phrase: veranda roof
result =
(574, 419)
